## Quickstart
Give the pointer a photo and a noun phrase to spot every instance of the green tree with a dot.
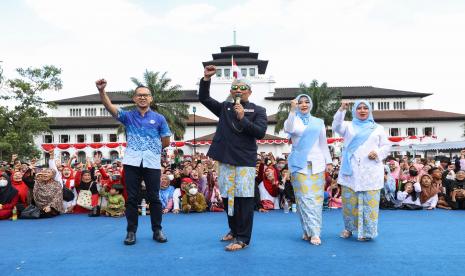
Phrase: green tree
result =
(166, 100)
(326, 102)
(28, 117)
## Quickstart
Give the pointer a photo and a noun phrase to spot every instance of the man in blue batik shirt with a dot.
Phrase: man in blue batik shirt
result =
(147, 134)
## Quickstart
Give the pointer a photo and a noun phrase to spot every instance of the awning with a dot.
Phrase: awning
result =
(453, 145)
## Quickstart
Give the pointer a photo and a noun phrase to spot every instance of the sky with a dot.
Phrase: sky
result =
(412, 45)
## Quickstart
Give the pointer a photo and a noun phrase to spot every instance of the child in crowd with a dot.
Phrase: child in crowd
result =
(115, 201)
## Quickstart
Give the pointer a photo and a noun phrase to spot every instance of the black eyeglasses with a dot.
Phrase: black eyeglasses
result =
(307, 102)
(241, 87)
(143, 96)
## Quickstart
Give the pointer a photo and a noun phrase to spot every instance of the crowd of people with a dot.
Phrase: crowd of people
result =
(232, 177)
(189, 183)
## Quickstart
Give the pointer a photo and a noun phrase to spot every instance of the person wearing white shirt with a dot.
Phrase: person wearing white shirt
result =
(410, 194)
(307, 162)
(362, 170)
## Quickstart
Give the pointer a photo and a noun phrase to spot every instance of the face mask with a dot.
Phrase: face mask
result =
(281, 166)
(170, 177)
(413, 173)
(193, 191)
(335, 162)
(3, 183)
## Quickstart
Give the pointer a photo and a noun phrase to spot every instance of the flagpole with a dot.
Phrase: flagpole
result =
(232, 66)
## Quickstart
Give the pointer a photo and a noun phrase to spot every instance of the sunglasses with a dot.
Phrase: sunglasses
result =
(241, 87)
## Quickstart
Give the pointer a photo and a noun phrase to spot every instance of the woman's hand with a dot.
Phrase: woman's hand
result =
(293, 105)
(344, 106)
(373, 155)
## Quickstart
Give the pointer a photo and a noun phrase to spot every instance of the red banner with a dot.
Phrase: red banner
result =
(96, 145)
(63, 146)
(48, 147)
(112, 145)
(395, 139)
(80, 145)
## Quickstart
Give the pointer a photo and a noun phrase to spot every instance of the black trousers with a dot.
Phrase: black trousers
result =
(134, 176)
(241, 223)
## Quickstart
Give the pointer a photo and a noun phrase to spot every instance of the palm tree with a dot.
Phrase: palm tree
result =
(165, 101)
(325, 100)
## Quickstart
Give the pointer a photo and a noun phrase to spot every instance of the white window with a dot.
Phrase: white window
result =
(97, 138)
(252, 72)
(48, 139)
(81, 138)
(104, 112)
(218, 72)
(227, 73)
(428, 131)
(399, 105)
(75, 112)
(394, 131)
(411, 131)
(244, 72)
(113, 137)
(64, 138)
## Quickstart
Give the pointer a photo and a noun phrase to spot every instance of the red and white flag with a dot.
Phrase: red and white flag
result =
(235, 69)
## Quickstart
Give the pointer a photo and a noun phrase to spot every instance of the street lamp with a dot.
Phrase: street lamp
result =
(194, 109)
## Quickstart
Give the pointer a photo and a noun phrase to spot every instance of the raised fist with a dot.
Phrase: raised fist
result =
(293, 104)
(101, 84)
(209, 71)
(344, 106)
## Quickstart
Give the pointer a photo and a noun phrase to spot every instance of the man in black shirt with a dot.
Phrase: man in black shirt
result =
(234, 146)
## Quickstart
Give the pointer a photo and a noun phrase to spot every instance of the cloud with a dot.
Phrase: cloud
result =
(412, 45)
(88, 17)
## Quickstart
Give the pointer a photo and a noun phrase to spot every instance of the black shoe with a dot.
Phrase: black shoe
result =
(130, 238)
(159, 236)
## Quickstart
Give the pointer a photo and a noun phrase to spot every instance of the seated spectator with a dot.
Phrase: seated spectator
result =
(269, 190)
(192, 200)
(86, 183)
(166, 194)
(388, 193)
(437, 177)
(200, 181)
(213, 194)
(179, 193)
(429, 192)
(394, 170)
(48, 194)
(285, 187)
(8, 197)
(23, 190)
(334, 195)
(409, 196)
(115, 201)
(455, 190)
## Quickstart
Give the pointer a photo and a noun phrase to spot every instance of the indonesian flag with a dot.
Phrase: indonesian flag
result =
(235, 69)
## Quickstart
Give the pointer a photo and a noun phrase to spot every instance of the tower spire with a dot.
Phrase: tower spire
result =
(234, 37)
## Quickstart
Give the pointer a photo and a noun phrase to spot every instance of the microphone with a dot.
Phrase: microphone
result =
(237, 98)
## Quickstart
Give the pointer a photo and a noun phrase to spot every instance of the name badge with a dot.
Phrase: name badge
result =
(249, 110)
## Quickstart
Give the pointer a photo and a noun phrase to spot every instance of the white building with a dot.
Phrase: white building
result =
(83, 126)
